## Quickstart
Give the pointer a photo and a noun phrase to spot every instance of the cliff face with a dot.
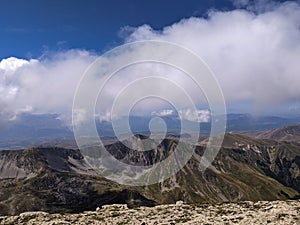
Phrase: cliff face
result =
(60, 180)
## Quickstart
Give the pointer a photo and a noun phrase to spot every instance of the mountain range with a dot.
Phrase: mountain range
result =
(56, 179)
(28, 130)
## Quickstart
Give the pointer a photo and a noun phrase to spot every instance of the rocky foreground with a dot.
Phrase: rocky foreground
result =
(262, 212)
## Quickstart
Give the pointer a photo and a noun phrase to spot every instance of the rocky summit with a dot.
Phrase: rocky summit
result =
(261, 212)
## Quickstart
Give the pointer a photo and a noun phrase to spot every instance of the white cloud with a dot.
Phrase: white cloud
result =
(187, 114)
(196, 116)
(253, 53)
(164, 112)
(105, 116)
(41, 86)
(11, 64)
(80, 117)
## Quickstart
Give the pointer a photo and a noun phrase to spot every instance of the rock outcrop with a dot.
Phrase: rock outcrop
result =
(273, 213)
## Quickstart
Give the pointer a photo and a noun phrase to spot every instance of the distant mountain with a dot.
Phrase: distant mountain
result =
(247, 122)
(59, 180)
(235, 122)
(30, 129)
(287, 133)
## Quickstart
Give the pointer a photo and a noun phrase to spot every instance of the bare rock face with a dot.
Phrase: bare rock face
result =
(19, 164)
(262, 212)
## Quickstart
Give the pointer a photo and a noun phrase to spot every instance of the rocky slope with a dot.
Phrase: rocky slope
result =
(273, 213)
(245, 169)
(59, 180)
(56, 180)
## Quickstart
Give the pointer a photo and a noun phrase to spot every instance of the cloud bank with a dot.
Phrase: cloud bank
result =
(188, 114)
(41, 85)
(254, 53)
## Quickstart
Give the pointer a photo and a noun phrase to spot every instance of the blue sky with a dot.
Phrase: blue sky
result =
(28, 28)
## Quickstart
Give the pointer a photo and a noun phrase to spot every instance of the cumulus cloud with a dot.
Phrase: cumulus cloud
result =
(164, 112)
(187, 114)
(41, 85)
(168, 83)
(195, 116)
(11, 64)
(253, 52)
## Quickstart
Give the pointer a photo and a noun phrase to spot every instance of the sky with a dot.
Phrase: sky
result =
(29, 28)
(253, 48)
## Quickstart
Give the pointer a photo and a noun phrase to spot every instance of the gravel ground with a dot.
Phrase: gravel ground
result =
(262, 212)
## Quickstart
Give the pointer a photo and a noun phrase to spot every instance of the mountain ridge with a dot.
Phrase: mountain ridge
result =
(59, 180)
(29, 130)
